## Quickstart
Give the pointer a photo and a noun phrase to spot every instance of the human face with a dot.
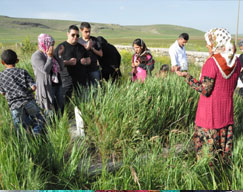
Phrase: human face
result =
(137, 49)
(85, 33)
(241, 48)
(53, 43)
(210, 49)
(73, 36)
(182, 42)
(163, 74)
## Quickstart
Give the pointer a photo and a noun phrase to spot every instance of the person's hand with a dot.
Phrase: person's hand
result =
(175, 68)
(89, 45)
(137, 62)
(181, 74)
(73, 61)
(85, 61)
(88, 60)
(33, 87)
(50, 51)
(61, 50)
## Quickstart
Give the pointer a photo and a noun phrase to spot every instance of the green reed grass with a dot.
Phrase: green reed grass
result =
(130, 123)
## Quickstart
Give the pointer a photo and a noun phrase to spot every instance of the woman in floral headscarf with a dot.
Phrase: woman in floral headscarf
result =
(214, 118)
(47, 72)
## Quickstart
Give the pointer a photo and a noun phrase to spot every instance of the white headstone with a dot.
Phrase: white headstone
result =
(79, 122)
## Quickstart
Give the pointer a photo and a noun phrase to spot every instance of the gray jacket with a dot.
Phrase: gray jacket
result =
(42, 69)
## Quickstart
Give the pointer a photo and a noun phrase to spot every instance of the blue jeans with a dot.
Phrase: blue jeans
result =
(94, 77)
(29, 116)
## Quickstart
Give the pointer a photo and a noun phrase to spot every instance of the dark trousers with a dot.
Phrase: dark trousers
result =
(110, 73)
(94, 78)
(67, 91)
(58, 97)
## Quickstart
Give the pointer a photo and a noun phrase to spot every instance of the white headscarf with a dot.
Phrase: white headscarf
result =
(219, 38)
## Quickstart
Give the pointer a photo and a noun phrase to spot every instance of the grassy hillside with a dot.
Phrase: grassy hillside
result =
(14, 30)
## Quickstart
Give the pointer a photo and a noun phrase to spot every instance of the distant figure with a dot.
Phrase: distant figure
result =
(18, 86)
(240, 81)
(110, 61)
(74, 57)
(241, 48)
(94, 50)
(177, 53)
(47, 71)
(164, 70)
(215, 111)
(142, 61)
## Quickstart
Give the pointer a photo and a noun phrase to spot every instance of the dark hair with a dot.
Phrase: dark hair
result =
(164, 67)
(9, 57)
(140, 43)
(102, 40)
(184, 36)
(241, 43)
(73, 27)
(85, 25)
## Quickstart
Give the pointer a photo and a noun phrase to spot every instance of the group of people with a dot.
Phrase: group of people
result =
(73, 64)
(143, 62)
(218, 80)
(76, 62)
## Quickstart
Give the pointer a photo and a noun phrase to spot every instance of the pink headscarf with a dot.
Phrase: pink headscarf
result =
(45, 41)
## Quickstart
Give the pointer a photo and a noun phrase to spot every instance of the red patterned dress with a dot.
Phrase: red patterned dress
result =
(214, 118)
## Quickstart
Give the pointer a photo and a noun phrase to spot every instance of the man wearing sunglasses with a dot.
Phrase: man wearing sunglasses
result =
(74, 58)
(94, 49)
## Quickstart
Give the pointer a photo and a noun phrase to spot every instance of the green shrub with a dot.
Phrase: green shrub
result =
(27, 47)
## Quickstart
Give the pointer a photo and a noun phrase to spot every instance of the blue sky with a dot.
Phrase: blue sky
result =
(199, 14)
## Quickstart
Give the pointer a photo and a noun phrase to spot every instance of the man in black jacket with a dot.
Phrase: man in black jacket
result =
(111, 60)
(94, 50)
(75, 58)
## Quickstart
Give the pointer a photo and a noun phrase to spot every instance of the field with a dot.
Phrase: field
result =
(145, 130)
(15, 30)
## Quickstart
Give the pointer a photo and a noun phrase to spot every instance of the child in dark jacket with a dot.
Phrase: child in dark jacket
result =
(17, 86)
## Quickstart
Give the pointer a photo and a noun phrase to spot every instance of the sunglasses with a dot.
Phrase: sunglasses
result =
(73, 35)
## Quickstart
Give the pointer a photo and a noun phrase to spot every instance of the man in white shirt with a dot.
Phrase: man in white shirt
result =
(178, 53)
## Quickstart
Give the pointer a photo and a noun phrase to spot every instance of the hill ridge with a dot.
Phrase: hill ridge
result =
(13, 29)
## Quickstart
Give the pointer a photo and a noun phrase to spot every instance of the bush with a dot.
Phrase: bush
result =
(27, 47)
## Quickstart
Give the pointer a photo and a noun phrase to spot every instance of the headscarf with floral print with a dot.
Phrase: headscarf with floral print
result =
(219, 39)
(45, 41)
